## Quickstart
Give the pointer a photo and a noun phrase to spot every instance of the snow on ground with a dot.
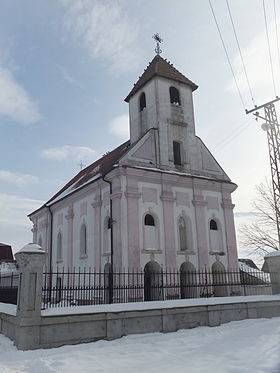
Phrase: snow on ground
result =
(248, 346)
(140, 306)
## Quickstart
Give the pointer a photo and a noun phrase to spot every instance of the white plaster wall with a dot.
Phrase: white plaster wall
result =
(42, 230)
(88, 219)
(135, 115)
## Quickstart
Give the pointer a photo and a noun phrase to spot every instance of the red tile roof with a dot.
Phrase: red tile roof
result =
(101, 166)
(163, 68)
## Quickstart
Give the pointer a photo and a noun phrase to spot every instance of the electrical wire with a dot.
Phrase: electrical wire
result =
(225, 50)
(232, 133)
(276, 29)
(269, 49)
(240, 53)
(230, 139)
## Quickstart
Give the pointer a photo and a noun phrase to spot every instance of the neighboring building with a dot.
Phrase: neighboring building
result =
(247, 263)
(9, 274)
(6, 253)
(158, 200)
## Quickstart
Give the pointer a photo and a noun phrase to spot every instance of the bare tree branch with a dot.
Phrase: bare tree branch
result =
(261, 235)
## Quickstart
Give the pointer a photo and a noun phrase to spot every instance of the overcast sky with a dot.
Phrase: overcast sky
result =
(67, 65)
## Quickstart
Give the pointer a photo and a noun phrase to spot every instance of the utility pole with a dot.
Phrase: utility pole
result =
(272, 128)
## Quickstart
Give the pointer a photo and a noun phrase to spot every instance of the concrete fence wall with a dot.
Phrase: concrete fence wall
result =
(93, 323)
(30, 328)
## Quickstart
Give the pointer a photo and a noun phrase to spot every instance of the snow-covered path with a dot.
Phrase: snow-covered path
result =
(249, 346)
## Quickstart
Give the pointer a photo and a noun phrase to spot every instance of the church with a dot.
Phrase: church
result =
(160, 200)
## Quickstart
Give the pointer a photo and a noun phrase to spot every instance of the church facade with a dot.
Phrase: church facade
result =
(159, 200)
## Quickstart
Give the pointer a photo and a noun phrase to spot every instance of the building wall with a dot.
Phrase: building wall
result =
(136, 193)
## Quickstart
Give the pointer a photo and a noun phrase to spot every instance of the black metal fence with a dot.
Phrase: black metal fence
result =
(90, 287)
(8, 287)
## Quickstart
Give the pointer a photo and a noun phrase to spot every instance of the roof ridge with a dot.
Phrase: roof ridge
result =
(160, 67)
(101, 166)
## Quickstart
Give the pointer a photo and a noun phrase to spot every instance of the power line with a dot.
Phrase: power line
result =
(269, 49)
(240, 53)
(235, 134)
(232, 133)
(224, 46)
(276, 29)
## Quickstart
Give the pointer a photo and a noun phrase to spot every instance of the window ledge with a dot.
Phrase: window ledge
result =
(60, 260)
(107, 253)
(217, 253)
(151, 251)
(177, 122)
(83, 256)
(186, 252)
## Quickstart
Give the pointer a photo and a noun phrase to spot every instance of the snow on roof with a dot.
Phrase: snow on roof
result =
(94, 171)
(7, 268)
(273, 253)
(254, 272)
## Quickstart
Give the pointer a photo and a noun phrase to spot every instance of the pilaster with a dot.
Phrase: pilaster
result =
(201, 231)
(97, 204)
(168, 201)
(69, 217)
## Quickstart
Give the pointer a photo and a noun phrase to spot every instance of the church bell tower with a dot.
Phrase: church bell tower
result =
(162, 100)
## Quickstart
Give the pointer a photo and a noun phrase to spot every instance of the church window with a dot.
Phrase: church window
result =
(142, 102)
(216, 239)
(149, 220)
(151, 233)
(59, 246)
(213, 225)
(107, 235)
(83, 240)
(177, 153)
(174, 96)
(183, 234)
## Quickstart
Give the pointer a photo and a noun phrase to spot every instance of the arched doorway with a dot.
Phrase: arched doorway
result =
(188, 281)
(153, 282)
(108, 283)
(219, 280)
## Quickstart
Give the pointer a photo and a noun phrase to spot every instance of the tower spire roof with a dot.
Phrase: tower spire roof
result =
(160, 67)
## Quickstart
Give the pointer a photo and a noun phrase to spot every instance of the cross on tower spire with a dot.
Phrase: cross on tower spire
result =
(158, 40)
(81, 165)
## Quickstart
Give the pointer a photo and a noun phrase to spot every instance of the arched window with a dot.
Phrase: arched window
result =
(174, 96)
(177, 153)
(59, 246)
(83, 240)
(213, 225)
(183, 233)
(142, 102)
(151, 233)
(149, 220)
